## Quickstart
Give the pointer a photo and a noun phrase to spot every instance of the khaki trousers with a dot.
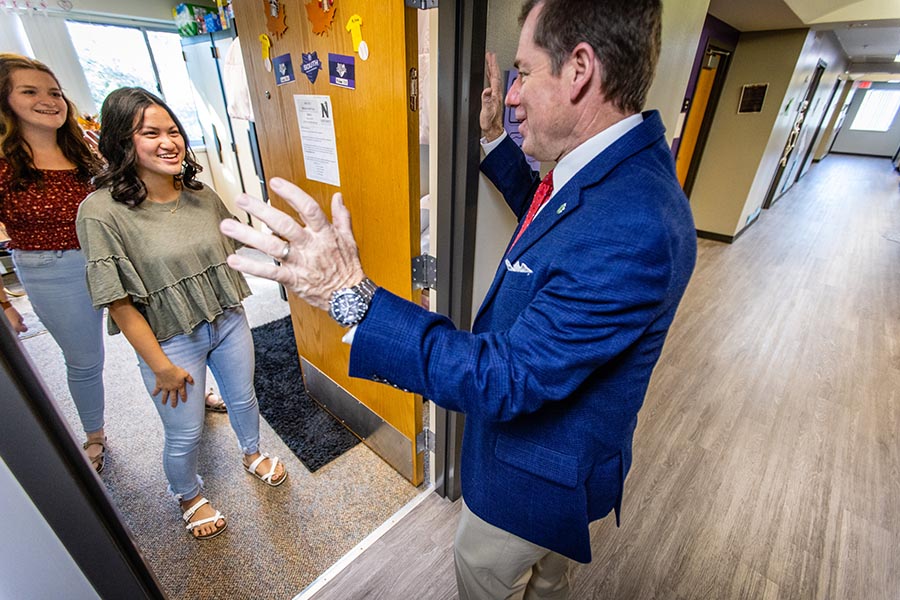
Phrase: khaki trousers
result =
(493, 564)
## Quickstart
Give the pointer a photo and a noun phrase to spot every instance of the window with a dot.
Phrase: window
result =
(877, 110)
(142, 58)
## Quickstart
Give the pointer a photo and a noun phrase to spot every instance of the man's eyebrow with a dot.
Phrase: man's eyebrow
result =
(516, 64)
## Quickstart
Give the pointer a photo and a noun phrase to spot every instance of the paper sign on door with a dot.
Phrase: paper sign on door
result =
(317, 139)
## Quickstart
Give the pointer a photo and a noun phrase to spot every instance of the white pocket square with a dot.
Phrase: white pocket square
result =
(518, 267)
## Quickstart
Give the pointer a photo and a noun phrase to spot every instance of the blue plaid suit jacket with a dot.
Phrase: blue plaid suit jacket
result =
(555, 370)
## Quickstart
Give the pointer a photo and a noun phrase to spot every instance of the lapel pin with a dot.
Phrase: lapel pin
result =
(561, 208)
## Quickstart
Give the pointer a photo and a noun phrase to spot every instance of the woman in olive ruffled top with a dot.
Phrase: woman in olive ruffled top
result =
(156, 258)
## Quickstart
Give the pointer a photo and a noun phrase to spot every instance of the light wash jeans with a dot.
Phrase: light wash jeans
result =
(226, 347)
(56, 287)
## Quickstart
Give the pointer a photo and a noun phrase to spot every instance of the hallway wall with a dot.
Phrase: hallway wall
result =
(682, 26)
(743, 150)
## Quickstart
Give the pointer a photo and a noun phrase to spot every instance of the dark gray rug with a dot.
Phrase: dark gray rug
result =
(307, 429)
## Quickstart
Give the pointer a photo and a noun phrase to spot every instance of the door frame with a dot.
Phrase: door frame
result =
(725, 52)
(462, 31)
(773, 193)
(815, 139)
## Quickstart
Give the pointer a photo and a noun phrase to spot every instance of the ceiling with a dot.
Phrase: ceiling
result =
(868, 30)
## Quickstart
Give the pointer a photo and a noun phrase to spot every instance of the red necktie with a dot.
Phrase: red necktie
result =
(540, 199)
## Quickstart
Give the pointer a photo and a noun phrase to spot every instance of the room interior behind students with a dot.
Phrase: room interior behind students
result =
(861, 525)
(324, 515)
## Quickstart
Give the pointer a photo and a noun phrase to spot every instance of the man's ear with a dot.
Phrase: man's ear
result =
(585, 70)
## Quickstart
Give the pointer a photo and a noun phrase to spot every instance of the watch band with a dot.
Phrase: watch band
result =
(365, 288)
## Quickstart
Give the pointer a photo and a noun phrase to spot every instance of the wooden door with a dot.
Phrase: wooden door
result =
(699, 103)
(376, 131)
(710, 81)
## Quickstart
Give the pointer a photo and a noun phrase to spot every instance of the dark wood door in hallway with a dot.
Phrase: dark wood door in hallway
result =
(767, 459)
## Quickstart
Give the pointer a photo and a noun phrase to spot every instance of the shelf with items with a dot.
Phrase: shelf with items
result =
(194, 19)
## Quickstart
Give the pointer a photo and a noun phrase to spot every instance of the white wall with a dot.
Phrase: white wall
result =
(495, 221)
(872, 143)
(33, 562)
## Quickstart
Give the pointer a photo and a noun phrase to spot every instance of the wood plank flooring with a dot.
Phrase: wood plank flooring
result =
(767, 459)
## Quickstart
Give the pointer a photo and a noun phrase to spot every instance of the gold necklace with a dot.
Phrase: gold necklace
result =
(177, 203)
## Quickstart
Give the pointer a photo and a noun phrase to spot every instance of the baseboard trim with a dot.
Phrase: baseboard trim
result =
(728, 239)
(717, 237)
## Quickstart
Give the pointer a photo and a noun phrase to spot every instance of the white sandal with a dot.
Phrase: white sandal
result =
(267, 478)
(191, 525)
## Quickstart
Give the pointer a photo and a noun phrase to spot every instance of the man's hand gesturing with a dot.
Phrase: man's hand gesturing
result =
(316, 259)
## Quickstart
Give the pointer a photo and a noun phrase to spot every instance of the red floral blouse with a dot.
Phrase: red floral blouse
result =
(42, 217)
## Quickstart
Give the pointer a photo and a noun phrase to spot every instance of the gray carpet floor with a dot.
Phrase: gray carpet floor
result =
(278, 539)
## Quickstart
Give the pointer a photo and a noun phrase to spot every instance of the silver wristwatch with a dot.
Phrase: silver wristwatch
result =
(349, 305)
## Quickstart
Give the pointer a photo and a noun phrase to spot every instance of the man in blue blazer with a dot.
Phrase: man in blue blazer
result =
(553, 375)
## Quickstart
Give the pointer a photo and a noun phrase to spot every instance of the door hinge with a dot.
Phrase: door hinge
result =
(425, 441)
(413, 89)
(424, 272)
(422, 4)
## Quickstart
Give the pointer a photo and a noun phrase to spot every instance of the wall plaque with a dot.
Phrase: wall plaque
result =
(752, 97)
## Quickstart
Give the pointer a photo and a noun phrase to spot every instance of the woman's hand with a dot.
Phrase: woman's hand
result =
(172, 381)
(15, 319)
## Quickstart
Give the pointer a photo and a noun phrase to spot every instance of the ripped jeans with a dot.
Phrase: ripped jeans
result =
(226, 346)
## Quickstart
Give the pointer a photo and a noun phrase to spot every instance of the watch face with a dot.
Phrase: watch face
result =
(347, 307)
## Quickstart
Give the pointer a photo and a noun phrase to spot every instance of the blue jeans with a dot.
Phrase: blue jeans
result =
(55, 283)
(226, 347)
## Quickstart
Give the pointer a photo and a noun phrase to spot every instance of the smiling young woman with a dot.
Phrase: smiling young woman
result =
(45, 172)
(156, 259)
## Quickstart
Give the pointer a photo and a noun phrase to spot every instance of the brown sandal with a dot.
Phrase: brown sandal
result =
(97, 461)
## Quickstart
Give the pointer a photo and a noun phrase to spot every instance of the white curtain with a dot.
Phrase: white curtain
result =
(52, 45)
(12, 36)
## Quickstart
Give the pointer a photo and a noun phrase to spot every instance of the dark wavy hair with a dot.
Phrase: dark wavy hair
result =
(120, 118)
(16, 150)
(625, 36)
